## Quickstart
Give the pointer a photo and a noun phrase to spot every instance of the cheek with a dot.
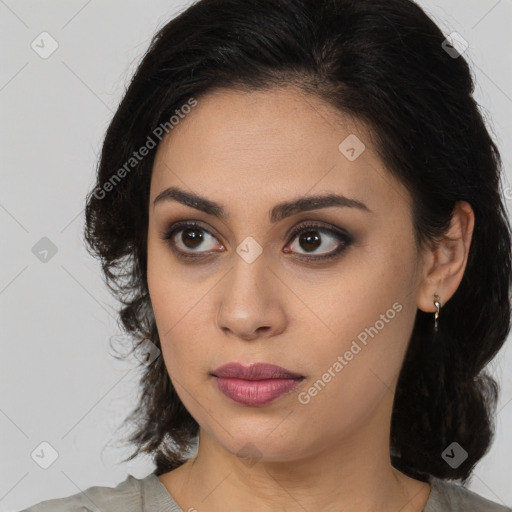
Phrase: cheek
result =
(368, 317)
(355, 372)
(173, 301)
(178, 322)
(368, 292)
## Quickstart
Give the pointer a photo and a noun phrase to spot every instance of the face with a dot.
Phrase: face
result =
(328, 292)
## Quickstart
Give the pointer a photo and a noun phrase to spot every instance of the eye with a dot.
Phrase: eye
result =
(187, 237)
(308, 238)
(191, 236)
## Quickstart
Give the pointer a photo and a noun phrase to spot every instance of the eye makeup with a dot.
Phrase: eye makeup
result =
(305, 232)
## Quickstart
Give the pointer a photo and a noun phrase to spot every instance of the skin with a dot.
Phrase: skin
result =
(250, 151)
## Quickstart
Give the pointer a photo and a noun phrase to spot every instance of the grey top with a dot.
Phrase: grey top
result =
(150, 495)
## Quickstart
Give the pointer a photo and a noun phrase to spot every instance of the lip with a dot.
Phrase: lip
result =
(256, 371)
(255, 385)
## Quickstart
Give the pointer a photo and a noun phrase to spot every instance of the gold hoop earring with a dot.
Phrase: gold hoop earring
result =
(437, 304)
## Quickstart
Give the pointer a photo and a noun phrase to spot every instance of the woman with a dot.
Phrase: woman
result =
(298, 205)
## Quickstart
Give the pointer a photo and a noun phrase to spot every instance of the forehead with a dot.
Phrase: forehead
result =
(263, 146)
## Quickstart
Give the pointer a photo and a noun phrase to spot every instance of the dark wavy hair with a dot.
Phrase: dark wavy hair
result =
(383, 62)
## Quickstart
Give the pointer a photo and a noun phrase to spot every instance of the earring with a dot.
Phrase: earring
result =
(437, 304)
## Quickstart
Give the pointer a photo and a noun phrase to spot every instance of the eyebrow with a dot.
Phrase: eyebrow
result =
(277, 213)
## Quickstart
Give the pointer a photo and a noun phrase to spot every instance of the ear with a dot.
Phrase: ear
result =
(444, 265)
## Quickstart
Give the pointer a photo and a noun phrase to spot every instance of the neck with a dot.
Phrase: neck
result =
(354, 475)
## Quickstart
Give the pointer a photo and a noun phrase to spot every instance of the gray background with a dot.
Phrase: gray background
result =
(59, 381)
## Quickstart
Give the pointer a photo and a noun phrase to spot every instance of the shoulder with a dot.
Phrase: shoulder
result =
(127, 496)
(449, 496)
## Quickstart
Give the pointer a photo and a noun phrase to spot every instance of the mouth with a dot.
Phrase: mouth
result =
(255, 385)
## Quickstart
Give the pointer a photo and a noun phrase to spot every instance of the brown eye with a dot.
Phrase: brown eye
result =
(319, 240)
(192, 237)
(189, 238)
(310, 240)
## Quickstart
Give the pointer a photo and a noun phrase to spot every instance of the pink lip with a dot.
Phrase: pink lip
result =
(255, 385)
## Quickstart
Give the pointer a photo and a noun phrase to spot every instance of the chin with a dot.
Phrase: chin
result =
(252, 449)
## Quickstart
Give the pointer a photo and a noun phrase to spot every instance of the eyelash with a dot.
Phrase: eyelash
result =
(345, 239)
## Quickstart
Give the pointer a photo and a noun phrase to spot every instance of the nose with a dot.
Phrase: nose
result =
(250, 301)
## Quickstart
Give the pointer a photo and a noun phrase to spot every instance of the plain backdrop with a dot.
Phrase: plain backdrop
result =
(60, 383)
